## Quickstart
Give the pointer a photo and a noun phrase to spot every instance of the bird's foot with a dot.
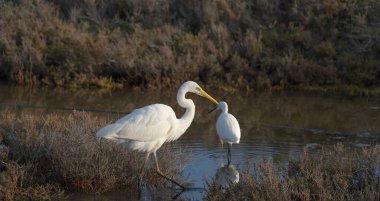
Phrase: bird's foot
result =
(171, 180)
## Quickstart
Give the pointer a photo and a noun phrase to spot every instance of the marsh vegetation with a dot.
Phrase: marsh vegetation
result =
(237, 44)
(45, 155)
(49, 154)
(225, 44)
(331, 173)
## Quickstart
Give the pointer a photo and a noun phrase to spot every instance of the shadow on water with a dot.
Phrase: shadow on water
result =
(274, 127)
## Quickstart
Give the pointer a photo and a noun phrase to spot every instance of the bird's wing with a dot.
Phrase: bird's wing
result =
(228, 128)
(235, 127)
(144, 124)
(109, 130)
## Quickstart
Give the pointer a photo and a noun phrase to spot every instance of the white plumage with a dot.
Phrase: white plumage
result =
(227, 127)
(147, 128)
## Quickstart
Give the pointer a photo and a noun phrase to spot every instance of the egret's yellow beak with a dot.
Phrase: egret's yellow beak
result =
(204, 94)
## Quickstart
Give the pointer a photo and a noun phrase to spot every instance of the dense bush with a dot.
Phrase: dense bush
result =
(45, 154)
(337, 173)
(245, 44)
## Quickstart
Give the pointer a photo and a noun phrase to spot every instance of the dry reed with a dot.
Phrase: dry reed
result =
(232, 43)
(46, 154)
(333, 173)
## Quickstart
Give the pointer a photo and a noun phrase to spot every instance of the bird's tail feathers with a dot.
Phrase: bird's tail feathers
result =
(109, 131)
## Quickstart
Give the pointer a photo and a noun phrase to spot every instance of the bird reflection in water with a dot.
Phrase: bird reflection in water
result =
(226, 175)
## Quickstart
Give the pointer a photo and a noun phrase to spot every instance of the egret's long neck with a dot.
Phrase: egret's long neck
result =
(185, 121)
(224, 109)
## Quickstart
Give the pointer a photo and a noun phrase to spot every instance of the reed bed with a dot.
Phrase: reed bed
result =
(45, 155)
(332, 173)
(234, 44)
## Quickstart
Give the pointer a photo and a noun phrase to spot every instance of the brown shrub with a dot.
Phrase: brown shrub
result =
(162, 43)
(62, 150)
(16, 184)
(337, 173)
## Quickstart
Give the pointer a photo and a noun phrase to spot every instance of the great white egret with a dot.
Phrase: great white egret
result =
(147, 128)
(227, 127)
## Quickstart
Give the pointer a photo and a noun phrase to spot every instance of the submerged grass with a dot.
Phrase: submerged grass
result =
(45, 154)
(333, 173)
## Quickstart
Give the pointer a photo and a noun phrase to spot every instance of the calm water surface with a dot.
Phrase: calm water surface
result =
(275, 126)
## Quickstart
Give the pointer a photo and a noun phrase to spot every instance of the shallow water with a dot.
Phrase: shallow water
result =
(274, 126)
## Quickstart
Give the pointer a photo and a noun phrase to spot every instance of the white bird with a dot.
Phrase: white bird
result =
(147, 128)
(227, 127)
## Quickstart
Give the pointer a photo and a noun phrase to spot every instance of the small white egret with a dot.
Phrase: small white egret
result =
(227, 127)
(147, 128)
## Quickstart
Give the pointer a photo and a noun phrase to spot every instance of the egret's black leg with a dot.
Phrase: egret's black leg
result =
(229, 154)
(162, 175)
